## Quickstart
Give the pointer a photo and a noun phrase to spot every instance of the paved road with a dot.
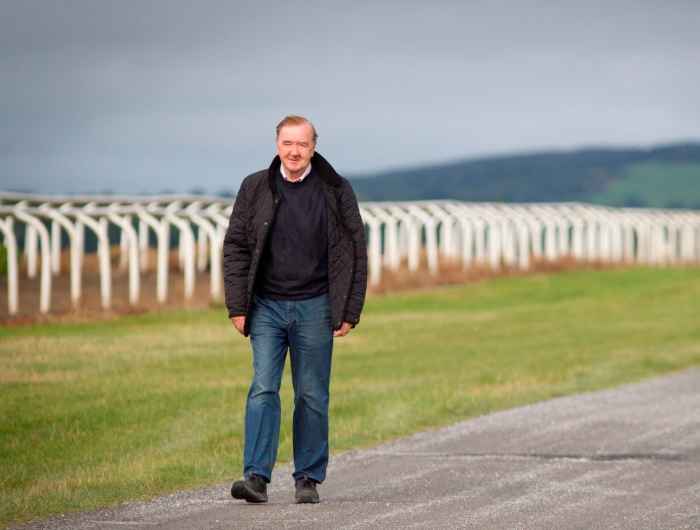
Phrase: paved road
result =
(624, 458)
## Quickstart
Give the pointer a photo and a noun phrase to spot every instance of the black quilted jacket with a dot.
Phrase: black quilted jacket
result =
(252, 216)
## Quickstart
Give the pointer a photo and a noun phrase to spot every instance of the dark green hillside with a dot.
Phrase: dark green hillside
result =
(665, 176)
(655, 184)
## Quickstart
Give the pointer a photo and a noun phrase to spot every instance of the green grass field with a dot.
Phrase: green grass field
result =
(93, 414)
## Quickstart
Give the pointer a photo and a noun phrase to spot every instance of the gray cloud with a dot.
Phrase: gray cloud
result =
(143, 96)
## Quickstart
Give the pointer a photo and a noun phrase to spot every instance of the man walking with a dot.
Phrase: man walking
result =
(295, 273)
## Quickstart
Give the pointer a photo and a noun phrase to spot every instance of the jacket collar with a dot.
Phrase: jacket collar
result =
(321, 166)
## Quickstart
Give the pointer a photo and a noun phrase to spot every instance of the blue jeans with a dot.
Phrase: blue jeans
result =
(304, 327)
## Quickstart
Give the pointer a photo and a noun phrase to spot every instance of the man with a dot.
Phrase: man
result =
(295, 272)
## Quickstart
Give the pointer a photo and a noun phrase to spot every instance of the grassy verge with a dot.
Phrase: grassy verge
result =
(93, 414)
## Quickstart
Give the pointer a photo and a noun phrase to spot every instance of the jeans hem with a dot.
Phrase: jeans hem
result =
(262, 474)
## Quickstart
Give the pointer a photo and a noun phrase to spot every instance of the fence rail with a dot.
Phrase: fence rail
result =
(493, 235)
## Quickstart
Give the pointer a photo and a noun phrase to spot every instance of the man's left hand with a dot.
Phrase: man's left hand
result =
(343, 330)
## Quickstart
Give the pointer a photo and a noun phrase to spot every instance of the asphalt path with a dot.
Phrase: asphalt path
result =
(626, 458)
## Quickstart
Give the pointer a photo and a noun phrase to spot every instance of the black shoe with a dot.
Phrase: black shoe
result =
(306, 491)
(252, 489)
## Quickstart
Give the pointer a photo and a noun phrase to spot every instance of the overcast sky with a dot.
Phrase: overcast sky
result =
(143, 96)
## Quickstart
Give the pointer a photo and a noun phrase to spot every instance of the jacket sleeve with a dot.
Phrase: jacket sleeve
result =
(237, 256)
(350, 211)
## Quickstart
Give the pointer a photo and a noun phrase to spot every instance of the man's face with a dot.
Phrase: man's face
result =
(295, 146)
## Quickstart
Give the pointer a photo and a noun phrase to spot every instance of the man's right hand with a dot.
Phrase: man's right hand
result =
(238, 323)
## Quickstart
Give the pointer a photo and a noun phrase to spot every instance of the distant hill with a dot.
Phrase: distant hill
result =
(662, 176)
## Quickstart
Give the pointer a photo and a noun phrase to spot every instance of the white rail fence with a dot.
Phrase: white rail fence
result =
(493, 235)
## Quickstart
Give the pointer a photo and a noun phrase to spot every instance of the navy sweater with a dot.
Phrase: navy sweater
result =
(295, 260)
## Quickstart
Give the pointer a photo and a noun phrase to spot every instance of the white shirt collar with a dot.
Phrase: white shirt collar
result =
(303, 175)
